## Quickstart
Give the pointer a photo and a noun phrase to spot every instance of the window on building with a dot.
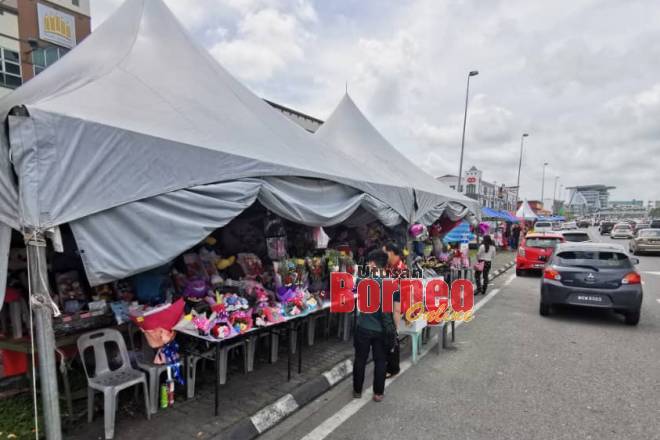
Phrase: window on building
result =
(10, 68)
(471, 188)
(75, 2)
(45, 56)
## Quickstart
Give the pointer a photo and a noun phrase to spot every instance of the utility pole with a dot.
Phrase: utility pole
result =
(545, 164)
(522, 138)
(554, 195)
(467, 94)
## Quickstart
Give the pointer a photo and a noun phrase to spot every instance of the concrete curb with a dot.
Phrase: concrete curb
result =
(500, 270)
(271, 415)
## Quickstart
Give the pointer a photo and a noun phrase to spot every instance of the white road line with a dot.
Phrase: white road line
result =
(332, 423)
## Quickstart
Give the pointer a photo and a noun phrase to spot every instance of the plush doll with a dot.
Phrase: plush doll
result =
(194, 294)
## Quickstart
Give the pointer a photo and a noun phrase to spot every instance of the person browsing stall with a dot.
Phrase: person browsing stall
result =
(485, 256)
(375, 332)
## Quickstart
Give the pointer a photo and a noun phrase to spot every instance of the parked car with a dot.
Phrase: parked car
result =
(542, 226)
(592, 275)
(535, 250)
(647, 240)
(622, 230)
(576, 236)
(605, 227)
(567, 226)
(655, 223)
(640, 226)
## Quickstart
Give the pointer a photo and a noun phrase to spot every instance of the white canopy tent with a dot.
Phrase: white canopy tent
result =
(349, 131)
(525, 212)
(121, 142)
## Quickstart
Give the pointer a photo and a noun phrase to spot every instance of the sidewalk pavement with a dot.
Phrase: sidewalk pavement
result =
(249, 403)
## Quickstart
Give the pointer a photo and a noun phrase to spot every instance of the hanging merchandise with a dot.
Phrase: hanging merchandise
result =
(418, 232)
(321, 239)
(275, 234)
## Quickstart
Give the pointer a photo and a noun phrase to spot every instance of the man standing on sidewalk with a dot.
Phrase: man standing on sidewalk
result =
(375, 332)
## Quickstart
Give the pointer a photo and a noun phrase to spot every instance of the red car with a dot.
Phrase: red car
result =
(535, 250)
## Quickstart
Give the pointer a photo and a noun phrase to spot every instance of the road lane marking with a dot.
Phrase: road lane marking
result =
(335, 421)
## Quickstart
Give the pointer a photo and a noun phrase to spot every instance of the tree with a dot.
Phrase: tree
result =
(655, 212)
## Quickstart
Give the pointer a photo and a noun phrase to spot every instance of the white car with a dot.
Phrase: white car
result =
(542, 227)
(622, 230)
(568, 226)
(576, 236)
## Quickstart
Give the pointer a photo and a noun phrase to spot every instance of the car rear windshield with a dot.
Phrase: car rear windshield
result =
(598, 259)
(622, 227)
(649, 233)
(577, 237)
(542, 242)
(543, 225)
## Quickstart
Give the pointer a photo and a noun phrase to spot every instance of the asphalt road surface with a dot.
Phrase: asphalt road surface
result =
(513, 374)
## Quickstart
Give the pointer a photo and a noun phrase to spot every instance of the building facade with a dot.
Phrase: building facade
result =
(35, 34)
(489, 194)
(589, 198)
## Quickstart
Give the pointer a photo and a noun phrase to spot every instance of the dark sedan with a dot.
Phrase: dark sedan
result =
(592, 275)
(605, 228)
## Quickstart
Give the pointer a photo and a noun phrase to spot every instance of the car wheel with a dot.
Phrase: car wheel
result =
(519, 272)
(635, 252)
(544, 309)
(632, 318)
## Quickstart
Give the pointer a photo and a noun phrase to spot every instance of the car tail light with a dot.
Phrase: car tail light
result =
(632, 278)
(551, 274)
(521, 251)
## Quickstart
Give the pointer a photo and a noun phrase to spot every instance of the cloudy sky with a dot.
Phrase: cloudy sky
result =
(581, 76)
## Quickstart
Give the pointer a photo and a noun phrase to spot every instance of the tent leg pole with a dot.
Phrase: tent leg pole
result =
(44, 335)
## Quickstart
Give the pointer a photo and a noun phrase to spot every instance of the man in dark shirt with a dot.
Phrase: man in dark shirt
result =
(371, 335)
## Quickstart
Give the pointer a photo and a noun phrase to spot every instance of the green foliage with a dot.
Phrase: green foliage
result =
(16, 418)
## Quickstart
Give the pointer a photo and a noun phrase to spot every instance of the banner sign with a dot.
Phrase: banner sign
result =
(56, 26)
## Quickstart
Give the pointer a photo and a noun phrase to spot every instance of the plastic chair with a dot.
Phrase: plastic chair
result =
(109, 382)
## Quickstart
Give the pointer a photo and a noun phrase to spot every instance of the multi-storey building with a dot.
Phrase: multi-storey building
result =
(35, 34)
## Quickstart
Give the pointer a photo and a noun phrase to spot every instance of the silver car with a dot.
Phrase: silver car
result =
(647, 240)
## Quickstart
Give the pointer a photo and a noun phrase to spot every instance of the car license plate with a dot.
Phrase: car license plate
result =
(538, 266)
(590, 298)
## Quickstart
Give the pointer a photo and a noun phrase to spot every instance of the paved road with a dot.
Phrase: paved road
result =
(516, 375)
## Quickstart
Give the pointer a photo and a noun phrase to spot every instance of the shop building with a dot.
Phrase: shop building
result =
(489, 194)
(35, 34)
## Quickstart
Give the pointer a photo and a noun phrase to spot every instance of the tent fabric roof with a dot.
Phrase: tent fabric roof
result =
(132, 124)
(525, 211)
(348, 130)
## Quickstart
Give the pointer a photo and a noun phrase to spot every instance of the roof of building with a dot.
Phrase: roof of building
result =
(596, 187)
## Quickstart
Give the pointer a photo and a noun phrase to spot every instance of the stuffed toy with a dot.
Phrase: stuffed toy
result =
(194, 294)
(224, 263)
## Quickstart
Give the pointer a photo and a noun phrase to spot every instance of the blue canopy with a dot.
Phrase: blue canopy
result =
(494, 213)
(460, 233)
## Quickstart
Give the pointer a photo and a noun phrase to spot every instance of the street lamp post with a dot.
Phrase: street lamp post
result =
(522, 138)
(545, 164)
(467, 93)
(554, 195)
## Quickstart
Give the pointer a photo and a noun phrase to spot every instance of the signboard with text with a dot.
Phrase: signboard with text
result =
(56, 26)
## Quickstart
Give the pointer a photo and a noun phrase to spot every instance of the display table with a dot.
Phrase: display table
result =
(219, 348)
